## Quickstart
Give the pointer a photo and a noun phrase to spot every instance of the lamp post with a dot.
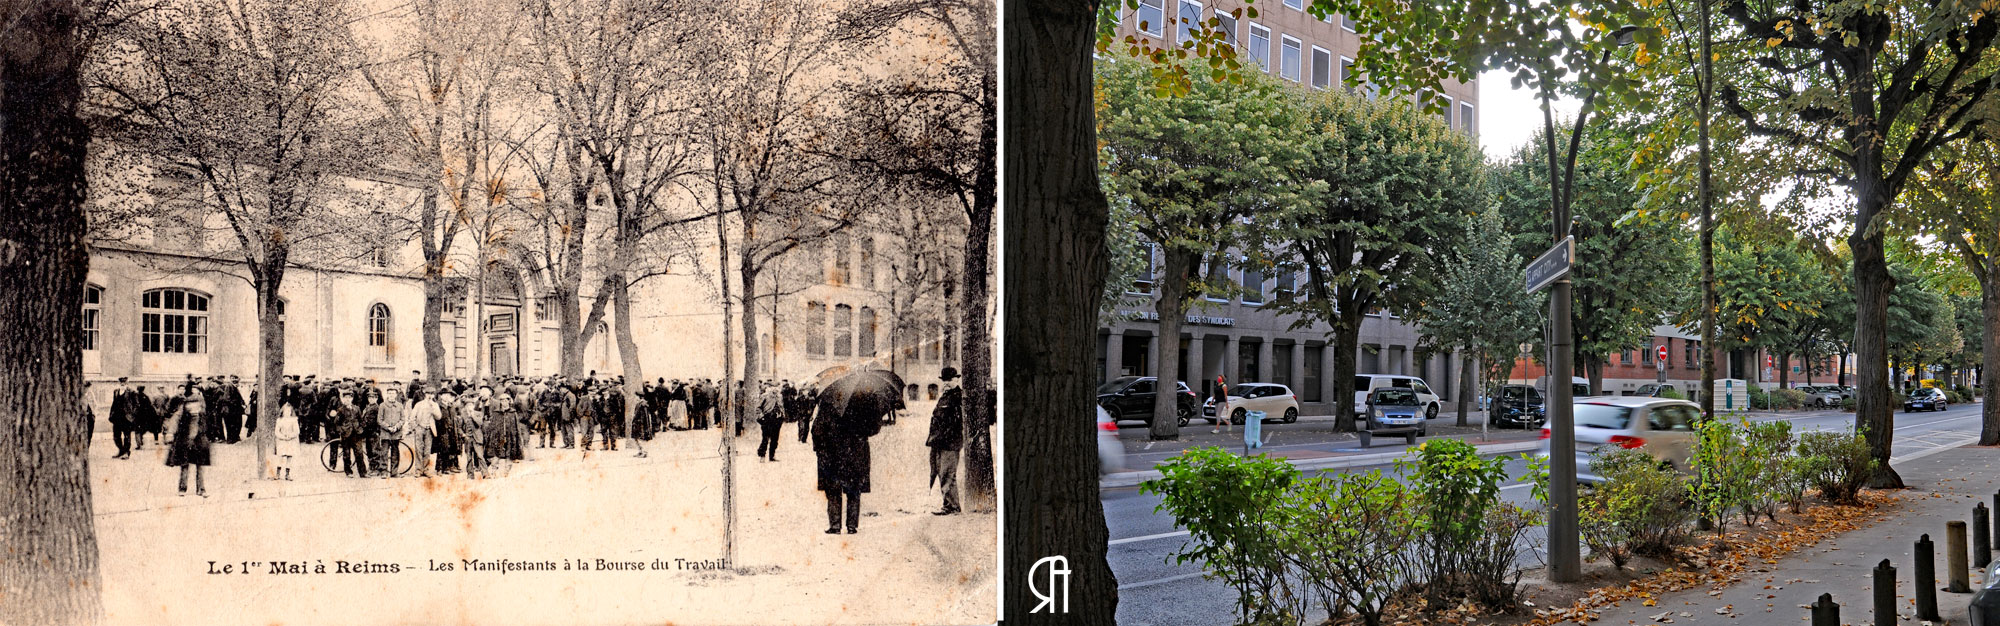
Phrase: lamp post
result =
(1565, 554)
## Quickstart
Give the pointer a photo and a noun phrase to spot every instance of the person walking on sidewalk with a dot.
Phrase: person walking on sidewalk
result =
(770, 417)
(946, 438)
(1224, 423)
(190, 446)
(123, 416)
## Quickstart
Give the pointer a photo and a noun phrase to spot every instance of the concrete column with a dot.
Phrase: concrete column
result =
(1298, 366)
(1264, 361)
(1326, 392)
(1114, 354)
(1196, 372)
(1229, 367)
(1152, 354)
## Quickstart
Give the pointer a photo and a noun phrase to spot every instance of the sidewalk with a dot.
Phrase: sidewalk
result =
(1944, 486)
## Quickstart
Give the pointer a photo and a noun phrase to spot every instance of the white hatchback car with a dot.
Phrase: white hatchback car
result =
(1661, 427)
(1277, 402)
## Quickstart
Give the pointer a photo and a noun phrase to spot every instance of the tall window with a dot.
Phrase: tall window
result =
(1314, 354)
(1646, 355)
(816, 328)
(1347, 23)
(1687, 346)
(1346, 72)
(1218, 276)
(1466, 120)
(867, 262)
(1144, 282)
(173, 321)
(1253, 283)
(1188, 22)
(842, 269)
(1289, 59)
(843, 330)
(1227, 24)
(1287, 285)
(1322, 68)
(867, 328)
(1447, 112)
(1260, 47)
(93, 302)
(1151, 14)
(378, 332)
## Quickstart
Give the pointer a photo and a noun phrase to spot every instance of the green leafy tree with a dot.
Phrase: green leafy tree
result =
(1770, 293)
(1369, 238)
(1192, 167)
(1480, 306)
(1959, 205)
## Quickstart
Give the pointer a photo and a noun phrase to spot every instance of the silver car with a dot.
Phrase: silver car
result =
(1661, 427)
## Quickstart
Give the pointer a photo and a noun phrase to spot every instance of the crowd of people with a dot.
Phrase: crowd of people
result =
(480, 428)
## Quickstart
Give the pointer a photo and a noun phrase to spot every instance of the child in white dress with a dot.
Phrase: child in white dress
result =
(288, 444)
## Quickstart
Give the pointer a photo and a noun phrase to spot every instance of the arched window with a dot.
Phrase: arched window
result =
(93, 303)
(816, 328)
(843, 330)
(378, 332)
(173, 320)
(866, 341)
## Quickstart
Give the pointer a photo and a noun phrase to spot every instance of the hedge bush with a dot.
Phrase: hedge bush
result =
(1642, 507)
(1787, 399)
(1349, 538)
(1230, 506)
(1837, 463)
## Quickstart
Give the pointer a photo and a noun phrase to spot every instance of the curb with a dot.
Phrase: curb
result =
(1129, 479)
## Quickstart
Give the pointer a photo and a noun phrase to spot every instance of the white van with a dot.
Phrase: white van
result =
(1365, 383)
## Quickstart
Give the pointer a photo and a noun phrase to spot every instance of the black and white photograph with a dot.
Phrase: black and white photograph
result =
(498, 312)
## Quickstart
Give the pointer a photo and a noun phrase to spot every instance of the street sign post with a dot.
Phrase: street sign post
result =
(1551, 265)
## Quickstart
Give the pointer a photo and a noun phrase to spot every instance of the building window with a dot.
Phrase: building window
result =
(1188, 21)
(1347, 23)
(93, 302)
(1646, 355)
(173, 321)
(1289, 60)
(1314, 354)
(1296, 5)
(378, 332)
(1447, 111)
(816, 328)
(842, 267)
(1347, 73)
(1626, 356)
(843, 330)
(1217, 274)
(1322, 68)
(867, 262)
(1226, 24)
(1151, 14)
(867, 328)
(1688, 347)
(1253, 283)
(1260, 47)
(1467, 121)
(1144, 283)
(1286, 287)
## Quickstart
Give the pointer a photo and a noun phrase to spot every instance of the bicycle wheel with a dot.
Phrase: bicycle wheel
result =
(327, 458)
(406, 458)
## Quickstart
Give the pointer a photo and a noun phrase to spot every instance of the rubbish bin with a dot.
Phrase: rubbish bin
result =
(1253, 431)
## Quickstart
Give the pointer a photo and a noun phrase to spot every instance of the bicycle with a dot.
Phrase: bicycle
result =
(403, 459)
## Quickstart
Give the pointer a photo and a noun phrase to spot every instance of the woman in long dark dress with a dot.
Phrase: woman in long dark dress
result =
(449, 444)
(190, 447)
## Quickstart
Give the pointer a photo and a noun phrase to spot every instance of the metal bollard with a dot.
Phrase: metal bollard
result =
(1926, 580)
(1825, 612)
(1982, 538)
(1885, 594)
(1954, 545)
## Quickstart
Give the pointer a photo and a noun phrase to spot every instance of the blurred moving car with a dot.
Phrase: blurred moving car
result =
(1131, 398)
(1366, 383)
(1662, 427)
(1394, 411)
(1110, 452)
(1926, 398)
(1517, 406)
(1277, 402)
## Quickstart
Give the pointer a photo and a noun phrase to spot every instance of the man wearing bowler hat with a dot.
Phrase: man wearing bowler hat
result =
(946, 437)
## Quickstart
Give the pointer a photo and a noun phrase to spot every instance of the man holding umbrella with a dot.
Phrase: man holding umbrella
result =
(850, 411)
(946, 437)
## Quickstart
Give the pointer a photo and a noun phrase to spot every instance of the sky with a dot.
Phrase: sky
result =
(1508, 117)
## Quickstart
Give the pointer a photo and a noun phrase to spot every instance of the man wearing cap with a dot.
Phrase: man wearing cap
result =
(306, 405)
(390, 419)
(770, 417)
(345, 419)
(231, 397)
(946, 437)
(123, 416)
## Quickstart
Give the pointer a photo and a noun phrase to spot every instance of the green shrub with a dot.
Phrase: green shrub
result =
(1725, 474)
(1670, 392)
(1230, 506)
(1964, 392)
(1837, 463)
(1847, 404)
(1787, 399)
(1759, 399)
(1769, 446)
(1642, 507)
(1348, 536)
(1469, 538)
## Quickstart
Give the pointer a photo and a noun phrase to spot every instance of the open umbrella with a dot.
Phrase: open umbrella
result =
(877, 391)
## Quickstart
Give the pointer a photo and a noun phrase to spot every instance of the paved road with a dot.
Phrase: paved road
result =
(1153, 591)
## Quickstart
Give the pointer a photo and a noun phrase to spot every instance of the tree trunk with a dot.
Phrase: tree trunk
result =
(1989, 357)
(1466, 386)
(1784, 370)
(728, 371)
(1874, 417)
(1593, 368)
(975, 358)
(1165, 424)
(628, 346)
(49, 568)
(271, 366)
(1056, 217)
(1346, 339)
(434, 298)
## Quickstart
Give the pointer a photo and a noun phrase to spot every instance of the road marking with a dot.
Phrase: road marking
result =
(1517, 486)
(1158, 581)
(1938, 449)
(1146, 538)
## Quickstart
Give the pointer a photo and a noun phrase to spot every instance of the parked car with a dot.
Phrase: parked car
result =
(1655, 390)
(1662, 427)
(1517, 406)
(1823, 396)
(1131, 398)
(1366, 383)
(1277, 402)
(1394, 411)
(1110, 452)
(1926, 398)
